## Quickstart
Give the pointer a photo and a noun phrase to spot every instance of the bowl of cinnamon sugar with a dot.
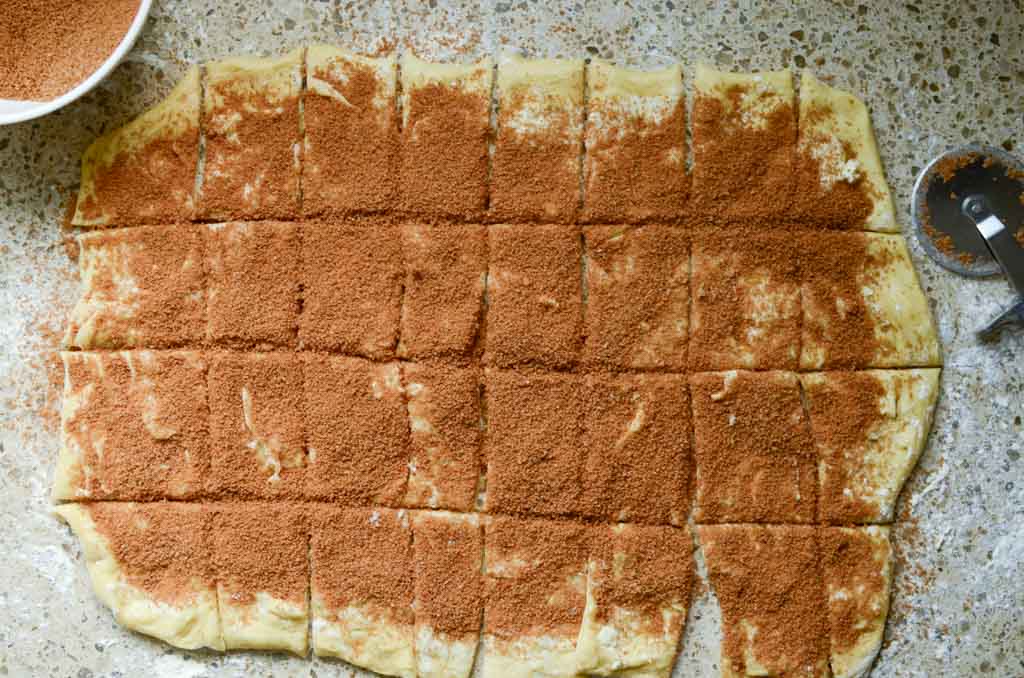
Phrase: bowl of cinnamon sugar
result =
(54, 51)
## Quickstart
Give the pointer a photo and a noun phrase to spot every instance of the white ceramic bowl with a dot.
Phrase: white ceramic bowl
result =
(17, 111)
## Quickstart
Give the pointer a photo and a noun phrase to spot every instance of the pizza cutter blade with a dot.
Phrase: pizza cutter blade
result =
(968, 209)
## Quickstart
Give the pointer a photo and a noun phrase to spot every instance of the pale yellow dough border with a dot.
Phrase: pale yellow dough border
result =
(856, 662)
(334, 60)
(476, 79)
(895, 300)
(892, 447)
(849, 123)
(761, 93)
(268, 623)
(170, 118)
(530, 89)
(621, 646)
(189, 626)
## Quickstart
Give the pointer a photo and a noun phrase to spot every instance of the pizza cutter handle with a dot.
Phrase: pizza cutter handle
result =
(1011, 317)
(1001, 242)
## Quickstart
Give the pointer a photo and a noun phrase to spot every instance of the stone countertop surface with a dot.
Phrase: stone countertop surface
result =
(935, 75)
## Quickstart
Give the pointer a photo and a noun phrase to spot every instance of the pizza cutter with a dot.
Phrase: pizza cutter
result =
(968, 209)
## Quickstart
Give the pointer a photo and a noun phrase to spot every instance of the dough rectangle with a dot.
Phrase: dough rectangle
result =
(446, 129)
(637, 306)
(133, 426)
(140, 288)
(443, 297)
(635, 161)
(351, 278)
(252, 131)
(753, 448)
(351, 132)
(744, 144)
(539, 142)
(535, 296)
(145, 171)
(257, 425)
(357, 431)
(261, 557)
(252, 284)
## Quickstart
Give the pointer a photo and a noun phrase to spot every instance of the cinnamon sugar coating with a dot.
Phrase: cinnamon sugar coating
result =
(637, 439)
(134, 426)
(638, 297)
(769, 583)
(449, 336)
(257, 425)
(534, 293)
(533, 443)
(351, 279)
(442, 302)
(754, 452)
(357, 431)
(253, 284)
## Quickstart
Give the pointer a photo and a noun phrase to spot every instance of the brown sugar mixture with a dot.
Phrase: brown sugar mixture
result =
(741, 171)
(49, 46)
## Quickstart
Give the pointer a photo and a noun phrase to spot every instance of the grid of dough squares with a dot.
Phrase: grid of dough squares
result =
(425, 365)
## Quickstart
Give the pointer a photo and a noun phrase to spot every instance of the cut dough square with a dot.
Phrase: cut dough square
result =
(870, 428)
(357, 430)
(534, 295)
(840, 181)
(536, 173)
(253, 138)
(535, 592)
(637, 439)
(637, 297)
(351, 132)
(445, 435)
(257, 425)
(364, 615)
(133, 426)
(253, 286)
(858, 577)
(442, 302)
(770, 588)
(151, 565)
(145, 172)
(534, 442)
(863, 305)
(639, 580)
(446, 128)
(351, 279)
(140, 287)
(261, 555)
(746, 303)
(448, 553)
(635, 164)
(744, 143)
(755, 456)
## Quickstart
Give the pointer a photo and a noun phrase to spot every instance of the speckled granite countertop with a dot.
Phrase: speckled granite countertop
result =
(935, 74)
